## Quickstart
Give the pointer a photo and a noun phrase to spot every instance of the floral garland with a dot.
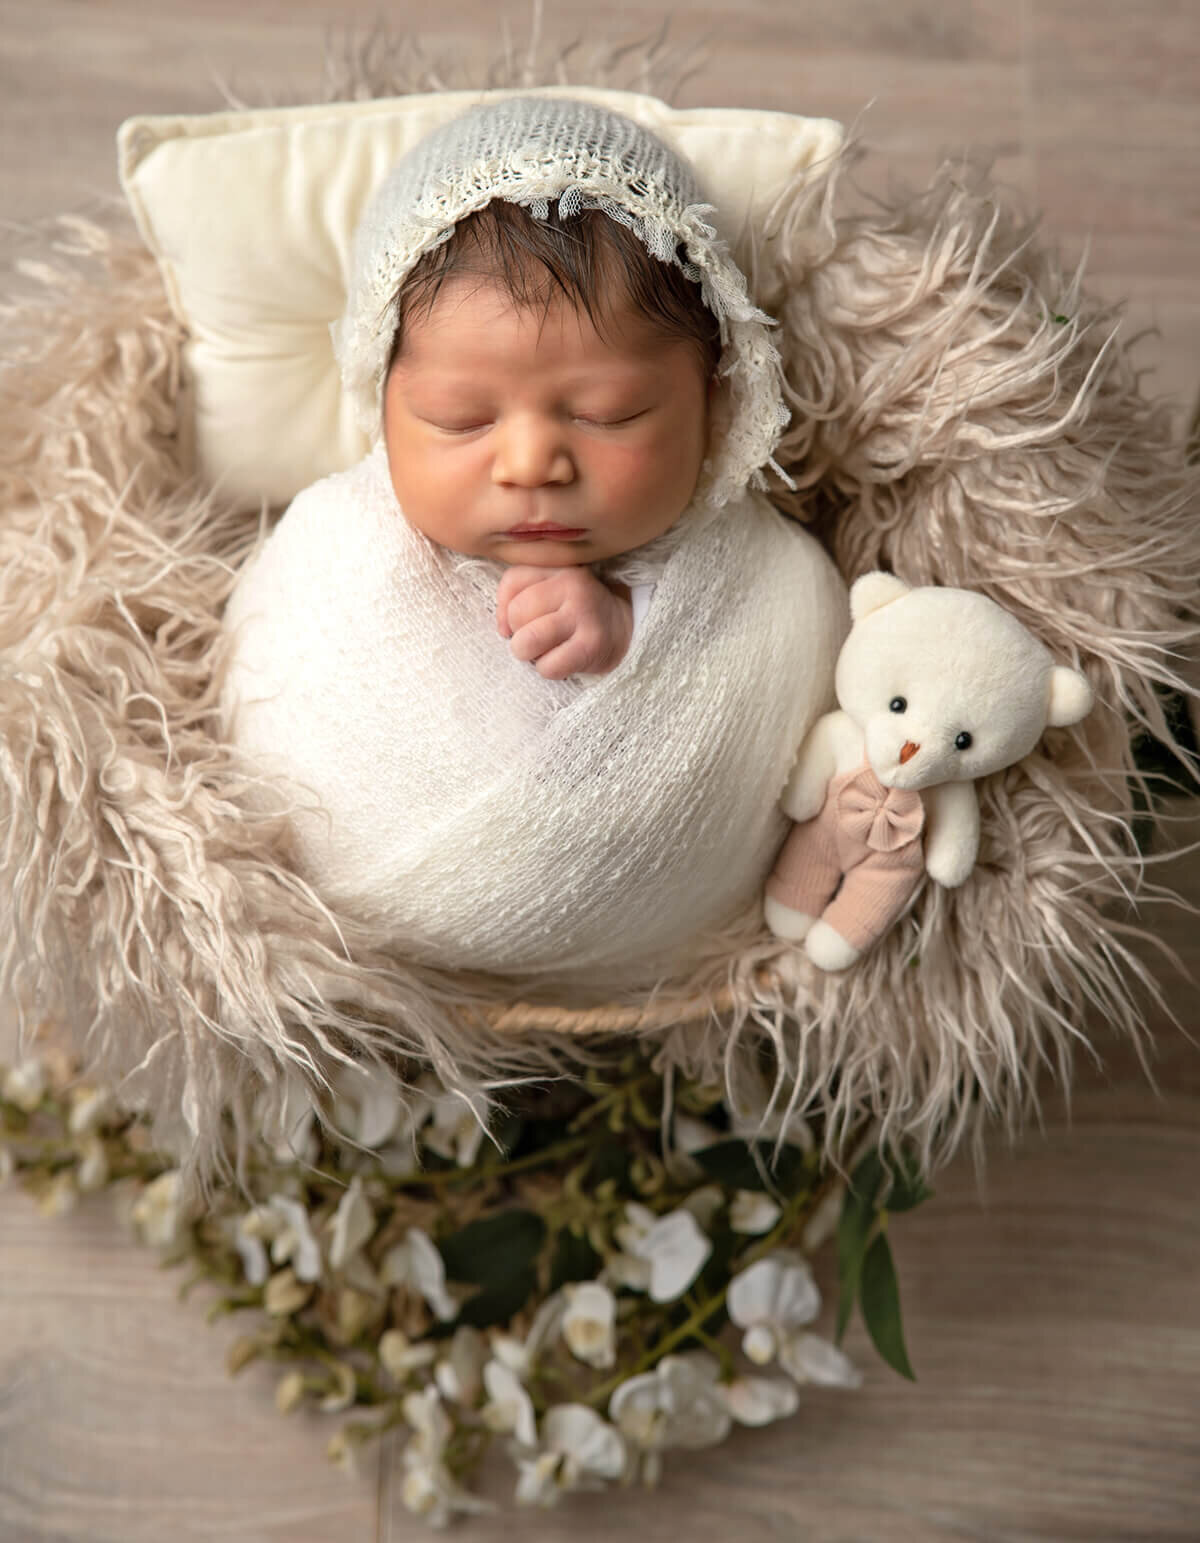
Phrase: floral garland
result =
(602, 1272)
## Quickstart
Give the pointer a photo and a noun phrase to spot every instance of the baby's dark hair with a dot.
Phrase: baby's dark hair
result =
(589, 258)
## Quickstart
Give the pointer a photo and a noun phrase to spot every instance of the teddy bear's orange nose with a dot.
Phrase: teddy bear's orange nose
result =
(907, 751)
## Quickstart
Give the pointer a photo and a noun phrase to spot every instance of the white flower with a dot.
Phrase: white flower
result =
(705, 1202)
(284, 1224)
(675, 1249)
(459, 1375)
(400, 1355)
(809, 1358)
(416, 1263)
(521, 1356)
(626, 1270)
(24, 1084)
(663, 1254)
(89, 1108)
(353, 1225)
(431, 1424)
(689, 1135)
(289, 1130)
(92, 1173)
(60, 1196)
(457, 1129)
(589, 1323)
(429, 1491)
(580, 1448)
(770, 1300)
(370, 1108)
(289, 1392)
(692, 1135)
(752, 1212)
(759, 1400)
(509, 1407)
(158, 1212)
(678, 1404)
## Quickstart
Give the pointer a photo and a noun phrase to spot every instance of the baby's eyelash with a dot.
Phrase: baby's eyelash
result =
(610, 423)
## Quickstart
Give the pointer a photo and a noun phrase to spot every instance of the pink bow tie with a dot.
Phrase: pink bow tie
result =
(884, 819)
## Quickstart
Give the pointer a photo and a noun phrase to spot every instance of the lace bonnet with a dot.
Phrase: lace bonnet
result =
(532, 151)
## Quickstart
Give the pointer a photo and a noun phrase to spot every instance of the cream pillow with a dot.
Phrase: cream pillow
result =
(251, 216)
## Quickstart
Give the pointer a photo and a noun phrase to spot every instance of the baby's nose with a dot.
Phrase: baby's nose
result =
(531, 452)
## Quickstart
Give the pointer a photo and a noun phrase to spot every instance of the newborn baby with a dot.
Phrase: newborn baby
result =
(546, 405)
(533, 672)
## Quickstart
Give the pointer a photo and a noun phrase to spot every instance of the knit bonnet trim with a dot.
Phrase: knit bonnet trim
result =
(532, 151)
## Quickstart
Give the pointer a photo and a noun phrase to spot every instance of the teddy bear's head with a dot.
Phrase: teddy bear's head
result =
(946, 685)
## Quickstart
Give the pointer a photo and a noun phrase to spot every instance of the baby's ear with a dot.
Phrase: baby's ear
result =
(1070, 697)
(873, 591)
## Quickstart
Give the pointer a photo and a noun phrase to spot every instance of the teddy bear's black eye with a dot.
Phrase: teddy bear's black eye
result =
(897, 704)
(963, 741)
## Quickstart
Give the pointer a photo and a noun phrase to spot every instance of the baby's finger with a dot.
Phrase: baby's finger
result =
(513, 582)
(540, 635)
(571, 657)
(538, 600)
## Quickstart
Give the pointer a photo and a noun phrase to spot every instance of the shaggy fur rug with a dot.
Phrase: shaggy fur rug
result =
(963, 413)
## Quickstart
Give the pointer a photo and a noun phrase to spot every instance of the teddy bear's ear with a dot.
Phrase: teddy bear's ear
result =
(872, 591)
(1070, 697)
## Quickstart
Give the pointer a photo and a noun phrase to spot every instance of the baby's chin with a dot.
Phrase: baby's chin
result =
(546, 552)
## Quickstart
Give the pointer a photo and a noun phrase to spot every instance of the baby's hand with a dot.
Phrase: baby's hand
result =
(564, 620)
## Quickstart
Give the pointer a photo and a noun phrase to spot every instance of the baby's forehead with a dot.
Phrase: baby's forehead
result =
(474, 314)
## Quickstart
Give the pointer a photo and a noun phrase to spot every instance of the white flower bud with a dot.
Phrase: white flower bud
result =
(289, 1395)
(92, 1173)
(89, 1108)
(24, 1084)
(589, 1324)
(752, 1212)
(400, 1355)
(759, 1345)
(60, 1196)
(284, 1294)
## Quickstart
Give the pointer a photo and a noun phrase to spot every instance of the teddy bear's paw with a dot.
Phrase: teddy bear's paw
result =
(828, 949)
(792, 926)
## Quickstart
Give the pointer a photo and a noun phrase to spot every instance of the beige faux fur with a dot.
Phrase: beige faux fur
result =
(964, 414)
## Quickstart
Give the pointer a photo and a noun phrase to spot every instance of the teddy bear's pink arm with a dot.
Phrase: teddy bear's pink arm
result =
(951, 832)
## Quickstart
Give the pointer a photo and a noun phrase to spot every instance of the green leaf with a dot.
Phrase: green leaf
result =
(908, 1188)
(499, 1303)
(752, 1165)
(574, 1258)
(854, 1230)
(489, 1251)
(880, 1299)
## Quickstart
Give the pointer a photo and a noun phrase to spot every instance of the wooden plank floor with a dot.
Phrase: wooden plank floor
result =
(1054, 1320)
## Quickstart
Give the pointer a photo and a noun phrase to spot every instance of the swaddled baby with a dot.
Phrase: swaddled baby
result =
(535, 670)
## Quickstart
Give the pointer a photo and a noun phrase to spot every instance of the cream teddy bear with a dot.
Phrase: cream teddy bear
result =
(937, 687)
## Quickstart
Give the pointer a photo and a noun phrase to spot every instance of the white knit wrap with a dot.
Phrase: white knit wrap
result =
(489, 819)
(587, 831)
(531, 151)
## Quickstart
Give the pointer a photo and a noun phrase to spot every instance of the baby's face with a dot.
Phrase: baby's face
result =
(532, 439)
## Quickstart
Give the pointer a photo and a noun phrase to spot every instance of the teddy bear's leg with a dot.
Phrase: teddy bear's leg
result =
(828, 949)
(805, 878)
(872, 895)
(785, 922)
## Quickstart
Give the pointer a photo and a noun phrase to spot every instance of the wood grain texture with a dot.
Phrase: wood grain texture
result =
(1054, 1318)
